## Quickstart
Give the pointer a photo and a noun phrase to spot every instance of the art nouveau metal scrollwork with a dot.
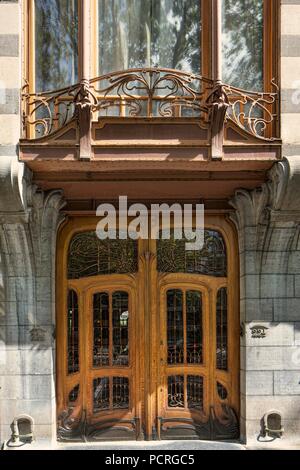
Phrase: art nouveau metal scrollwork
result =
(151, 93)
(44, 113)
(90, 256)
(172, 257)
(254, 112)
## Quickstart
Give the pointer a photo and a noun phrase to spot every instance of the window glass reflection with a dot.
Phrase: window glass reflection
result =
(243, 43)
(175, 326)
(101, 329)
(149, 33)
(56, 44)
(120, 320)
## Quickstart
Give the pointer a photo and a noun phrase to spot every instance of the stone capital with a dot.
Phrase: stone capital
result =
(277, 200)
(284, 187)
(14, 180)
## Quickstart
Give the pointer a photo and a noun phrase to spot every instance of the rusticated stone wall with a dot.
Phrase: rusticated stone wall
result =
(28, 223)
(267, 220)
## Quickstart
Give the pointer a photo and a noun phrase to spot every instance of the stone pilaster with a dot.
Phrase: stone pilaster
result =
(267, 220)
(27, 311)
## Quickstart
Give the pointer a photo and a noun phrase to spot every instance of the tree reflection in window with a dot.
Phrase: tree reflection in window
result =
(56, 44)
(149, 33)
(184, 327)
(120, 319)
(194, 327)
(243, 24)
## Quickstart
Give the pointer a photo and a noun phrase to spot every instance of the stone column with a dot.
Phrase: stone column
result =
(267, 220)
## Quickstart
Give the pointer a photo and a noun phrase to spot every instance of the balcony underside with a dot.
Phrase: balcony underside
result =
(149, 160)
(149, 182)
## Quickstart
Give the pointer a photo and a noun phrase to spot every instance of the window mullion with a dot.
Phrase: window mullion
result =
(217, 40)
(85, 8)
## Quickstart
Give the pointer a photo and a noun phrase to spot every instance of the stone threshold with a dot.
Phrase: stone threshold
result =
(173, 445)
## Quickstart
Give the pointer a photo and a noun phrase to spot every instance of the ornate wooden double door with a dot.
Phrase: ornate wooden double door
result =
(147, 336)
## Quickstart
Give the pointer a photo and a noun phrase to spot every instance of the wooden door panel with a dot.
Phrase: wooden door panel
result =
(195, 399)
(206, 390)
(106, 407)
(178, 381)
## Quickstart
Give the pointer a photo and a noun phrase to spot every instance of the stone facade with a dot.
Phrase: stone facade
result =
(29, 220)
(267, 221)
(268, 225)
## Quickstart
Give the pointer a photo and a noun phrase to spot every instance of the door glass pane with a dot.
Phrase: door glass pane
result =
(120, 328)
(149, 33)
(195, 392)
(56, 44)
(243, 43)
(101, 394)
(101, 329)
(176, 391)
(120, 393)
(175, 326)
(73, 333)
(172, 257)
(222, 346)
(90, 256)
(194, 327)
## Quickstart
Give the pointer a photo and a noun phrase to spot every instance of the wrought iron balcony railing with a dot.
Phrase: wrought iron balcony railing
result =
(151, 93)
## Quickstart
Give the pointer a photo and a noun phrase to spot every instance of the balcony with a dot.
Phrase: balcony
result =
(149, 119)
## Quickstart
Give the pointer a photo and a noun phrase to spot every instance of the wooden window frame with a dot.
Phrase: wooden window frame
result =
(208, 55)
(206, 19)
(28, 50)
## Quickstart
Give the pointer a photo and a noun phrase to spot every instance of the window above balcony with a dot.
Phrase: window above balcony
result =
(190, 61)
(129, 34)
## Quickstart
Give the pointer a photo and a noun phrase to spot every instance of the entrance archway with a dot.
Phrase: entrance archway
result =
(147, 336)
